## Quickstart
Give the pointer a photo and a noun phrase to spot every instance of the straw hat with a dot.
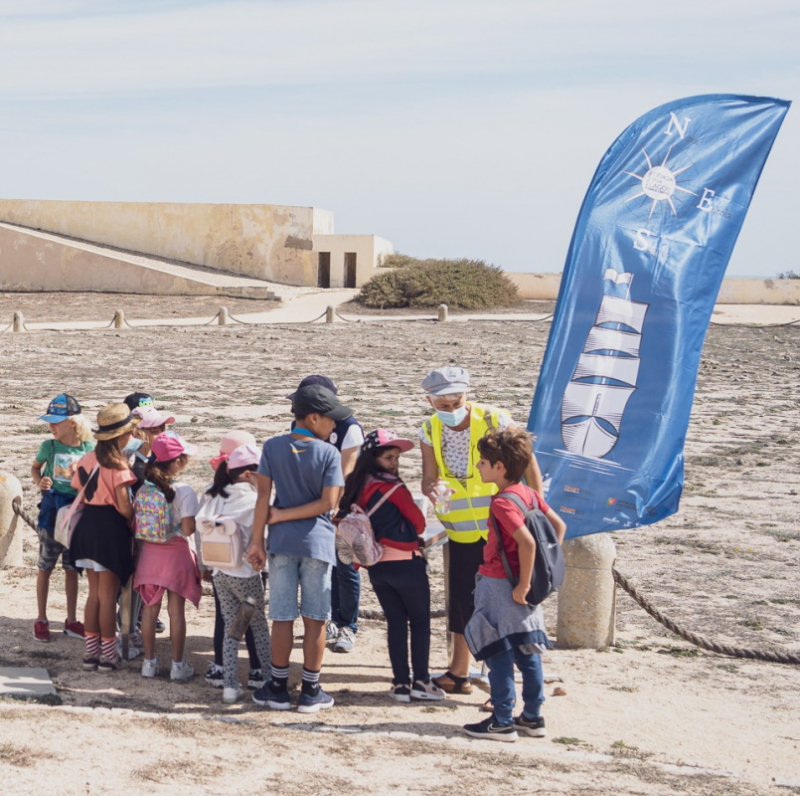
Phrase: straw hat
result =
(113, 421)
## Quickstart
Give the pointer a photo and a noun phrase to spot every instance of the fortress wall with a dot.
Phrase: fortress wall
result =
(269, 242)
(733, 291)
(26, 260)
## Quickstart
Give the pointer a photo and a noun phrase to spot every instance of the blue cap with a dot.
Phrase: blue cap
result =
(60, 408)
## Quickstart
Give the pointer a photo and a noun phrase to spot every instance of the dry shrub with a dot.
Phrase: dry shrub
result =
(464, 284)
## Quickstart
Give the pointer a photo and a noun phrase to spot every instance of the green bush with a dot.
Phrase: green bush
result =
(789, 275)
(464, 284)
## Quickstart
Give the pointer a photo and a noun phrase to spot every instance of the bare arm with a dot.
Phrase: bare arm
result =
(328, 502)
(533, 475)
(430, 471)
(557, 523)
(188, 526)
(527, 551)
(256, 554)
(349, 458)
(36, 473)
(124, 501)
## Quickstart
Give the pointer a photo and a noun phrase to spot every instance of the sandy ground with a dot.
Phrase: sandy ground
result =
(651, 715)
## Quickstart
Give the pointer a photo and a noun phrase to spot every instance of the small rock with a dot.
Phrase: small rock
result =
(194, 419)
(559, 691)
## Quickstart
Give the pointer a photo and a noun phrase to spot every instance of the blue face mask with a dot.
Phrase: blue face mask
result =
(454, 418)
(131, 446)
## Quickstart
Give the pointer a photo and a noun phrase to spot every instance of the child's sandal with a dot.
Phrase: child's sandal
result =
(453, 684)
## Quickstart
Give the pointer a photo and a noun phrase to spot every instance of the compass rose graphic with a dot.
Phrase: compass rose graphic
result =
(659, 183)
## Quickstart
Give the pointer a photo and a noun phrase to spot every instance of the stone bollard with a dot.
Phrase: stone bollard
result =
(223, 316)
(119, 319)
(18, 322)
(330, 315)
(587, 599)
(442, 313)
(10, 523)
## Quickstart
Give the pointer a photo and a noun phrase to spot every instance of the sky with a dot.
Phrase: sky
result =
(454, 128)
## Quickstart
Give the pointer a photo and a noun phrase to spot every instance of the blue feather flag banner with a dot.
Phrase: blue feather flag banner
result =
(647, 257)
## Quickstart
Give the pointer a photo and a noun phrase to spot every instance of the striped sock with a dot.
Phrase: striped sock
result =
(280, 677)
(310, 681)
(92, 646)
(108, 648)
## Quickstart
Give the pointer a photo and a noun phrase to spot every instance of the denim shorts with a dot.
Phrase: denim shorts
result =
(313, 576)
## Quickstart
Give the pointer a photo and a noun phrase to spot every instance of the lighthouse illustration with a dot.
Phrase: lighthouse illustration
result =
(605, 376)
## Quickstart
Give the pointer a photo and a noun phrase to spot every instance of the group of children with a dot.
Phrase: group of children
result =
(282, 502)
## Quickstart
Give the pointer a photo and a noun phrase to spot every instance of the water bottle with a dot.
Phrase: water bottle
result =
(443, 495)
(242, 619)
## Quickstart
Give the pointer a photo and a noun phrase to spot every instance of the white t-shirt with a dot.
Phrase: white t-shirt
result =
(455, 445)
(185, 504)
(354, 438)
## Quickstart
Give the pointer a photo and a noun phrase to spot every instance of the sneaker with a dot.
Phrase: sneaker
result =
(110, 664)
(74, 629)
(277, 700)
(230, 696)
(331, 633)
(256, 679)
(400, 693)
(41, 630)
(215, 676)
(313, 704)
(533, 727)
(181, 671)
(150, 668)
(160, 626)
(90, 664)
(429, 691)
(346, 640)
(133, 650)
(488, 728)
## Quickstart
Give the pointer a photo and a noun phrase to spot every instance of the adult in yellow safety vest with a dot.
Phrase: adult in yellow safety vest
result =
(449, 457)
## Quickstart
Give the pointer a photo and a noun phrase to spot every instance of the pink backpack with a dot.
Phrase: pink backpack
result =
(355, 539)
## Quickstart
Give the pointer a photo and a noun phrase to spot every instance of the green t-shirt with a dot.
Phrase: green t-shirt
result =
(60, 461)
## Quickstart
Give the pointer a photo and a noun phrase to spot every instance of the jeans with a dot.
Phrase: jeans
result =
(501, 682)
(311, 576)
(345, 594)
(403, 590)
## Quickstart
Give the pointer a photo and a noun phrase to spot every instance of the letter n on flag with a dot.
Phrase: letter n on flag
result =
(647, 257)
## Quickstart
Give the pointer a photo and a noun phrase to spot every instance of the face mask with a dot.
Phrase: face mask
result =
(452, 419)
(131, 446)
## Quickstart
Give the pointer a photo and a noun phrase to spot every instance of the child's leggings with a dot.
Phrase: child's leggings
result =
(232, 592)
(219, 634)
(403, 590)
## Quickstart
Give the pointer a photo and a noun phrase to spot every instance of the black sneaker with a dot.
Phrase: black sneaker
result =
(488, 728)
(533, 727)
(160, 626)
(215, 676)
(312, 703)
(277, 700)
(256, 679)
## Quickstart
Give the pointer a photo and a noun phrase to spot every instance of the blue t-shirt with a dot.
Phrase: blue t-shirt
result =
(300, 468)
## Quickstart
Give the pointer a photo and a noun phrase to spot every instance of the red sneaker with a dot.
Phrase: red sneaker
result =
(41, 630)
(74, 629)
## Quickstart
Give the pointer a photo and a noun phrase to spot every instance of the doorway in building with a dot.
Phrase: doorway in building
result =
(349, 269)
(324, 269)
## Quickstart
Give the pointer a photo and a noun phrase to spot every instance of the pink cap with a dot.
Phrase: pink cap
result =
(229, 443)
(168, 446)
(386, 438)
(244, 456)
(152, 418)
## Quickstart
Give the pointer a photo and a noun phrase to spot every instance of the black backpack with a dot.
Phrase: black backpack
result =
(548, 562)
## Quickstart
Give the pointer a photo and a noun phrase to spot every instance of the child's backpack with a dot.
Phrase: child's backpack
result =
(355, 539)
(548, 562)
(153, 515)
(220, 542)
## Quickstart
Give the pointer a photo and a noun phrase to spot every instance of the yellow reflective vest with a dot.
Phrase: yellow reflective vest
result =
(468, 518)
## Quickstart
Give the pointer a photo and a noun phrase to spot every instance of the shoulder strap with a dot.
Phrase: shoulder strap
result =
(518, 502)
(383, 499)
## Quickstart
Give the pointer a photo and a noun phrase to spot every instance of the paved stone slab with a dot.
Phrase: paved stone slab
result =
(25, 681)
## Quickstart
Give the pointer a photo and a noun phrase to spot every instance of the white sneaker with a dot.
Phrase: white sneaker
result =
(181, 671)
(429, 691)
(231, 696)
(331, 633)
(150, 668)
(346, 640)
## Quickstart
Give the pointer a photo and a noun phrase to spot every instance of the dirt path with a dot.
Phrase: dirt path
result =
(649, 716)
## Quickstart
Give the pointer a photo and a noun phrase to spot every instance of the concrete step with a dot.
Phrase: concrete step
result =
(34, 260)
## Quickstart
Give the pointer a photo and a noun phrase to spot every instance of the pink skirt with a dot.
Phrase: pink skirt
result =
(167, 567)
